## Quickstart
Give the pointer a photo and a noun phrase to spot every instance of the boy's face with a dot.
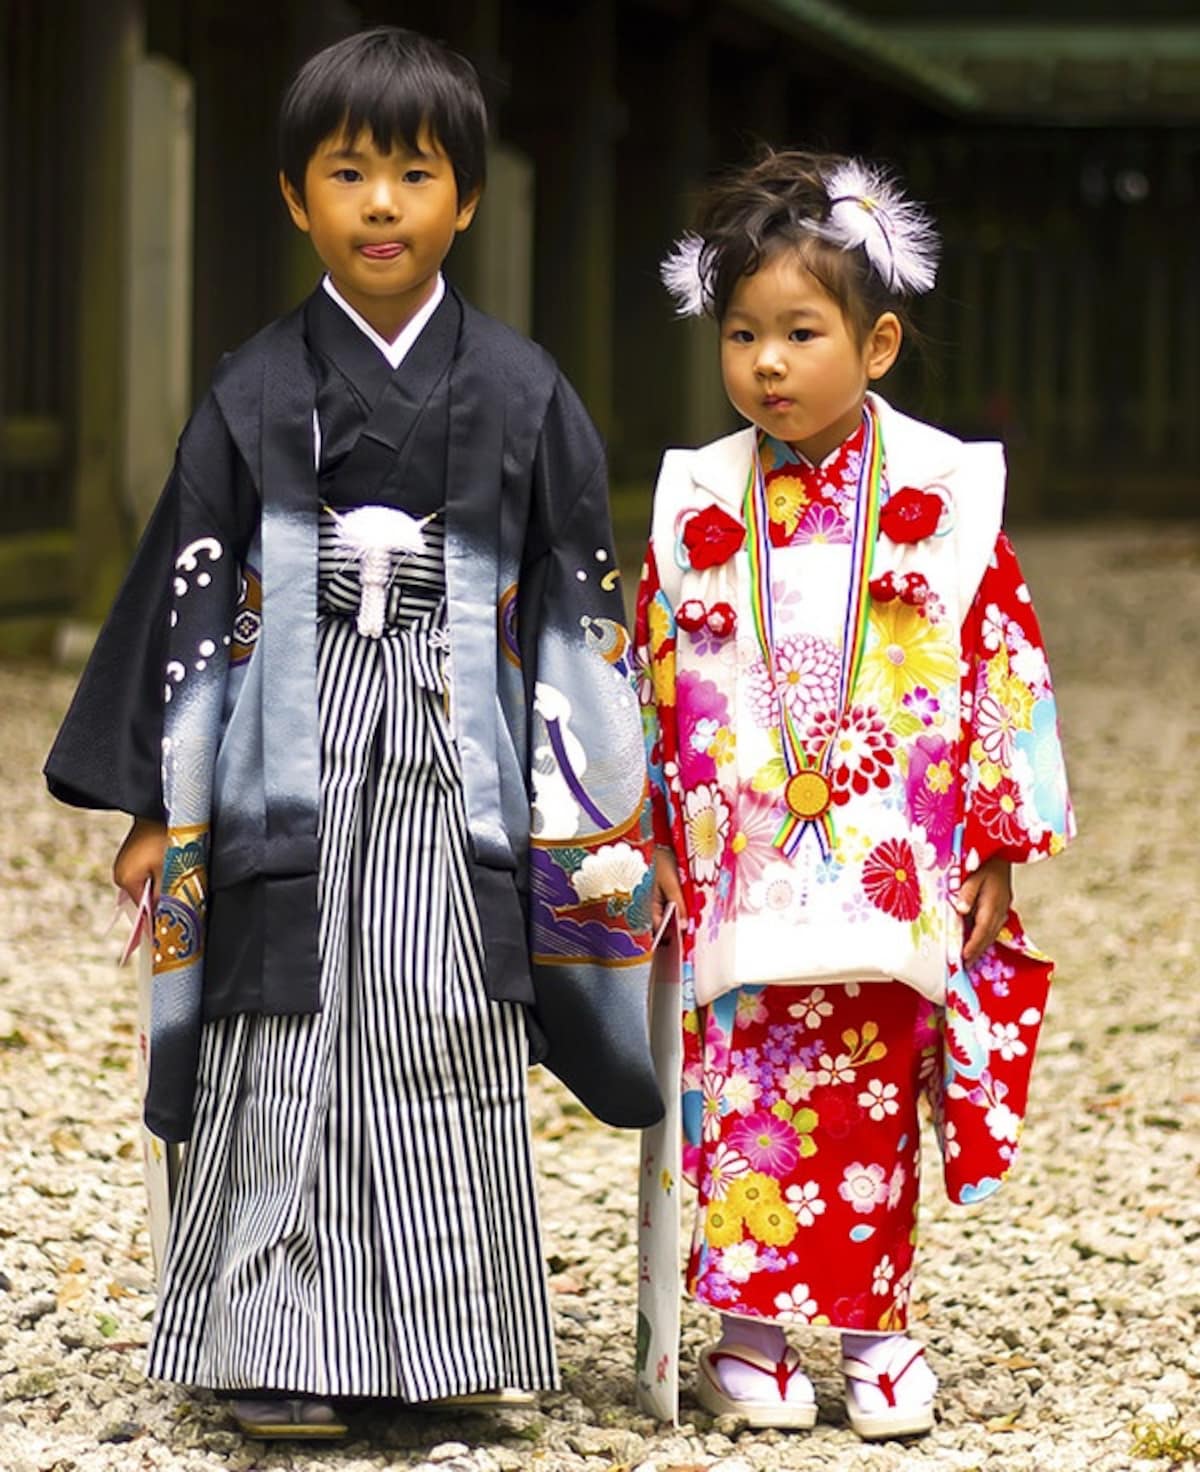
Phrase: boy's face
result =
(382, 223)
(790, 361)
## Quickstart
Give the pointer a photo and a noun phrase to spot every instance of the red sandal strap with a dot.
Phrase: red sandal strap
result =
(883, 1380)
(764, 1364)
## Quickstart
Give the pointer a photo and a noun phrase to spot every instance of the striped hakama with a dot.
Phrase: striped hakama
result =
(357, 1213)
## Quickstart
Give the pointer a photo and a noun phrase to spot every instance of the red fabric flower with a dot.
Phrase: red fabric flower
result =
(883, 588)
(998, 810)
(913, 588)
(890, 879)
(910, 515)
(721, 620)
(691, 615)
(711, 537)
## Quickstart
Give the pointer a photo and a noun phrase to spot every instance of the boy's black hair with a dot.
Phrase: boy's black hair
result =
(389, 82)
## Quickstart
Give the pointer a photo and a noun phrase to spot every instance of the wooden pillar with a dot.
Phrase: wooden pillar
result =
(111, 40)
(566, 53)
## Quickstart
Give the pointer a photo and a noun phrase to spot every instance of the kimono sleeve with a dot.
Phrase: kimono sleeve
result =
(1017, 804)
(108, 751)
(591, 849)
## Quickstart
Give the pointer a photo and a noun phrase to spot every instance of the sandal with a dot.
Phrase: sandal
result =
(271, 1417)
(883, 1372)
(505, 1400)
(776, 1410)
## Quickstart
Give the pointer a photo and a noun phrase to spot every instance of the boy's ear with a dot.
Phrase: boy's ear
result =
(883, 345)
(294, 203)
(466, 212)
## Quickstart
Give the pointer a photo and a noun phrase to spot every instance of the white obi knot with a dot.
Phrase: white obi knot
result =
(370, 536)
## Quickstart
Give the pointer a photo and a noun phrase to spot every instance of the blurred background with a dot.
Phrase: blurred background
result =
(142, 235)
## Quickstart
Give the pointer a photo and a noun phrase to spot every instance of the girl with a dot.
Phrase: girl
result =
(853, 738)
(365, 692)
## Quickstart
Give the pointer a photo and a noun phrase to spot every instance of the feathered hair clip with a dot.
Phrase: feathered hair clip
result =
(866, 208)
(684, 275)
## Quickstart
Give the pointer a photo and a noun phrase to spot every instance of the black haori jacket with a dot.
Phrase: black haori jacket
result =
(199, 705)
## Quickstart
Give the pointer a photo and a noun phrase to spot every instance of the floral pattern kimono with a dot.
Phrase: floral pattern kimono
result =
(803, 1056)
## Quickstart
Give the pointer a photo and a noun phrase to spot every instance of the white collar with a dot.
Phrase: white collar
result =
(395, 352)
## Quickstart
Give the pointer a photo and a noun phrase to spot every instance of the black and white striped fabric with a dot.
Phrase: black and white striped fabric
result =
(357, 1214)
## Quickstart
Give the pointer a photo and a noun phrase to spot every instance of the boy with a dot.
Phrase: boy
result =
(376, 807)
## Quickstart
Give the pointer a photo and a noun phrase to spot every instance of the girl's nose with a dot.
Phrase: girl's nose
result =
(769, 362)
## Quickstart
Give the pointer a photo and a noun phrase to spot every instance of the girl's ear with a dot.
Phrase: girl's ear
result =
(294, 203)
(882, 346)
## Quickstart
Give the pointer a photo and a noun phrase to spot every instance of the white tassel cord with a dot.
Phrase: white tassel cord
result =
(370, 535)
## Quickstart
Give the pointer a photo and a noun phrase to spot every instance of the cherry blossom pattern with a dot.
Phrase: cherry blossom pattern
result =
(864, 1187)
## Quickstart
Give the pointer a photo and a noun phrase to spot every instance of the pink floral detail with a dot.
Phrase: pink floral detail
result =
(931, 792)
(823, 523)
(768, 1143)
(808, 673)
(864, 1186)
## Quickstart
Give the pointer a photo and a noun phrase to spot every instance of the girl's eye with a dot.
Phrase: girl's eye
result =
(347, 176)
(801, 334)
(741, 334)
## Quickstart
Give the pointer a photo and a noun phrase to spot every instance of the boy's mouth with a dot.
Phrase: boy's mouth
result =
(383, 250)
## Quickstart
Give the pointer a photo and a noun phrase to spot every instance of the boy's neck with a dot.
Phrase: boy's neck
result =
(395, 346)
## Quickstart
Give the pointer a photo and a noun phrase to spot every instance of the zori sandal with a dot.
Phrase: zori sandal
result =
(506, 1399)
(788, 1402)
(270, 1418)
(880, 1402)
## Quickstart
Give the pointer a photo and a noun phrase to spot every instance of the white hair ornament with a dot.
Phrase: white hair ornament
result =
(866, 208)
(683, 275)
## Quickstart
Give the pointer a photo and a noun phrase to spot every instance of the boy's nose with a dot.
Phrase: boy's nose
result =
(382, 205)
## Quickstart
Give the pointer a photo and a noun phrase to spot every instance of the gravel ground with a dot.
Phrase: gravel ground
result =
(1061, 1315)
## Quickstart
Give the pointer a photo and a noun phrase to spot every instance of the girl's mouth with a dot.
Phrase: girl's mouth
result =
(776, 401)
(385, 250)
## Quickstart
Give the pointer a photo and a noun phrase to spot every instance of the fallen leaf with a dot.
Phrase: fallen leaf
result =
(65, 1142)
(1007, 1422)
(72, 1290)
(117, 1290)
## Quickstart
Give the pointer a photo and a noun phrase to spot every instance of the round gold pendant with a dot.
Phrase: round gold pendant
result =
(808, 794)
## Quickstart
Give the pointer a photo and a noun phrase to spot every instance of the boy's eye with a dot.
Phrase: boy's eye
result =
(801, 334)
(347, 175)
(416, 176)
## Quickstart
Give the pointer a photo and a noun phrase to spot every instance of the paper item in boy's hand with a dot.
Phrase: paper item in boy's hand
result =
(668, 916)
(161, 1160)
(143, 920)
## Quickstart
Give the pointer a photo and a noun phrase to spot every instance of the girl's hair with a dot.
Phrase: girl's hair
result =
(777, 202)
(391, 82)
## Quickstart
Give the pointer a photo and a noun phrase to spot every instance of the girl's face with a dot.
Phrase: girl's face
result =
(791, 362)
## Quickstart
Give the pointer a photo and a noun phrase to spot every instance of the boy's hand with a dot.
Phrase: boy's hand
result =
(140, 858)
(984, 900)
(667, 889)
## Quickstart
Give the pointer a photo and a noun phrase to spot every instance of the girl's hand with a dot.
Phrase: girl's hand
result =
(140, 858)
(667, 889)
(985, 899)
